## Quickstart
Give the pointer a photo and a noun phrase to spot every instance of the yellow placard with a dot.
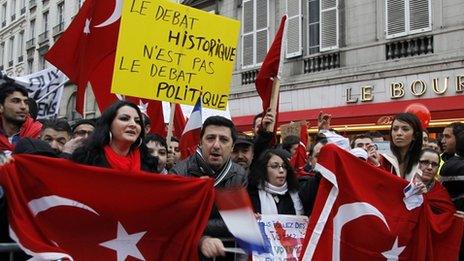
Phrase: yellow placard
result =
(172, 52)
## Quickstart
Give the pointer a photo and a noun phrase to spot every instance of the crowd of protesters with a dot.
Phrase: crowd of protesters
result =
(119, 139)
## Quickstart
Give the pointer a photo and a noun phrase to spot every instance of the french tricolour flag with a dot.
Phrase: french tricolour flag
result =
(237, 213)
(191, 135)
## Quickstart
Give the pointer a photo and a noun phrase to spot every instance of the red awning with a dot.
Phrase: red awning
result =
(440, 108)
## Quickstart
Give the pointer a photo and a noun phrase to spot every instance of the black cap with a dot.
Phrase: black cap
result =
(244, 139)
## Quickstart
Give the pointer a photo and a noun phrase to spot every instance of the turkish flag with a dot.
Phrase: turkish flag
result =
(270, 67)
(59, 209)
(86, 53)
(300, 157)
(179, 122)
(359, 214)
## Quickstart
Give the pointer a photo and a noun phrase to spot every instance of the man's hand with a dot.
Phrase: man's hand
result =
(268, 119)
(73, 144)
(211, 247)
(373, 155)
(323, 121)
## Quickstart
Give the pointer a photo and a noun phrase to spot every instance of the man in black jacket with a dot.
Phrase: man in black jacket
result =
(213, 160)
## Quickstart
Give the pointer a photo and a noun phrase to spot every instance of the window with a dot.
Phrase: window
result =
(293, 37)
(32, 29)
(41, 61)
(45, 21)
(2, 53)
(30, 65)
(3, 14)
(20, 44)
(10, 50)
(323, 25)
(255, 33)
(313, 26)
(13, 7)
(60, 8)
(406, 17)
(22, 5)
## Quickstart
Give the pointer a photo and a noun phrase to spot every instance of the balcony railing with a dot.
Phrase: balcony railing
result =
(322, 62)
(13, 17)
(58, 29)
(23, 10)
(3, 23)
(30, 44)
(32, 4)
(43, 37)
(409, 47)
(249, 76)
(10, 63)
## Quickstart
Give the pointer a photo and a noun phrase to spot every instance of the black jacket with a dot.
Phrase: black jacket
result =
(194, 166)
(452, 176)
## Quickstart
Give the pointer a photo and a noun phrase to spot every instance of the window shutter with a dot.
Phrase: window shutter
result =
(293, 40)
(396, 18)
(262, 31)
(247, 33)
(329, 25)
(419, 16)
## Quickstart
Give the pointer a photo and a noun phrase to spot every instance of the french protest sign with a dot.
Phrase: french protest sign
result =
(171, 52)
(284, 235)
(46, 88)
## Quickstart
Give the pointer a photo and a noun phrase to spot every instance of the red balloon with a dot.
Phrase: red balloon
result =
(421, 112)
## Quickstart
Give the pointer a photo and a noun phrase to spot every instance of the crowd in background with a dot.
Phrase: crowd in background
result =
(121, 139)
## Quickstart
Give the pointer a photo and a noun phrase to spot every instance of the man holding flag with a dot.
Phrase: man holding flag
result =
(212, 159)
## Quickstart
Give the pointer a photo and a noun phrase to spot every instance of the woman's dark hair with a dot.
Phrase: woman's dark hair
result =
(258, 174)
(412, 155)
(101, 135)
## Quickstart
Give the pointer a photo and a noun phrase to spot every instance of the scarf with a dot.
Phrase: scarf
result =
(130, 162)
(267, 198)
(218, 175)
(30, 128)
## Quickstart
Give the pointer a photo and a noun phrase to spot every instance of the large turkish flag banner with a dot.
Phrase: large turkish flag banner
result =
(360, 214)
(59, 209)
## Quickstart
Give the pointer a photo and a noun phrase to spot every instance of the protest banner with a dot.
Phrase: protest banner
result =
(46, 88)
(284, 234)
(187, 53)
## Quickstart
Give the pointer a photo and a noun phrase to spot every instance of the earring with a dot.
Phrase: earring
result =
(111, 136)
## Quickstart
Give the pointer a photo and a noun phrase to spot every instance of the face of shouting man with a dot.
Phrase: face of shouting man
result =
(216, 145)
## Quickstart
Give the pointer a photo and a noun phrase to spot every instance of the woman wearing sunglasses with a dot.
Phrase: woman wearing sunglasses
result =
(273, 185)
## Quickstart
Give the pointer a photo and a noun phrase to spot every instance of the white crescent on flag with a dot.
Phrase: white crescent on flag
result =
(114, 16)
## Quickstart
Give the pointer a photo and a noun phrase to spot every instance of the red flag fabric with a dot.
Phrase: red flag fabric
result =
(359, 214)
(85, 52)
(192, 132)
(179, 122)
(59, 209)
(300, 157)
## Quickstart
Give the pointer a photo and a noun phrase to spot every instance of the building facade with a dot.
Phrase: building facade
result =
(361, 61)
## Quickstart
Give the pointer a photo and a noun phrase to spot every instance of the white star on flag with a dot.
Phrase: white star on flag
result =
(394, 252)
(87, 26)
(125, 244)
(143, 107)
